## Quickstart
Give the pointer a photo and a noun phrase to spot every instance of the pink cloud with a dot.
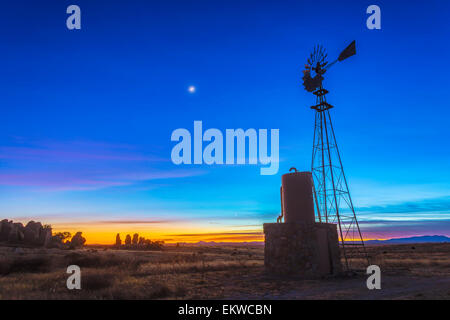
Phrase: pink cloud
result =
(80, 165)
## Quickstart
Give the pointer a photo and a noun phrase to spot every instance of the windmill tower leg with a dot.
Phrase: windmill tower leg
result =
(331, 188)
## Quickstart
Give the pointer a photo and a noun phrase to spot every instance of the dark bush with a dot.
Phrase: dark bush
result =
(25, 265)
(101, 261)
(96, 281)
(158, 291)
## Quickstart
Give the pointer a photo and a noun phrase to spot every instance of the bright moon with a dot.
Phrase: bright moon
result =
(191, 89)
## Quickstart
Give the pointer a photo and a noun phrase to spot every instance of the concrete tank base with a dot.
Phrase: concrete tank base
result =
(307, 250)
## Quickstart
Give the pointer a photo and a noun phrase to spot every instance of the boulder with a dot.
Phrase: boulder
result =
(36, 235)
(128, 240)
(45, 237)
(30, 237)
(5, 229)
(36, 227)
(32, 232)
(16, 234)
(135, 239)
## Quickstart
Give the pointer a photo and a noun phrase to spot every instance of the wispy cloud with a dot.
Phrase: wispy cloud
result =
(215, 234)
(71, 151)
(81, 181)
(134, 221)
(383, 229)
(426, 205)
(81, 166)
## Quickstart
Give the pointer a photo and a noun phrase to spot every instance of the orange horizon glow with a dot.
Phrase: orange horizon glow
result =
(108, 237)
(169, 233)
(104, 232)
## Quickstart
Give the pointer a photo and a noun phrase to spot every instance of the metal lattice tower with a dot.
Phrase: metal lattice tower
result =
(331, 193)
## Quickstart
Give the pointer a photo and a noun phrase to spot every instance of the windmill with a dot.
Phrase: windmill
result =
(331, 194)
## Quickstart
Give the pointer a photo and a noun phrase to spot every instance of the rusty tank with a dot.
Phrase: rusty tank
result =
(297, 202)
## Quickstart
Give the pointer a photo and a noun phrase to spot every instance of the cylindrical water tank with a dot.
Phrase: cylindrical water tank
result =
(297, 197)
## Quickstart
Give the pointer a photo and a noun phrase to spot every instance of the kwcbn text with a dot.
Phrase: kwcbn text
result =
(227, 309)
(213, 152)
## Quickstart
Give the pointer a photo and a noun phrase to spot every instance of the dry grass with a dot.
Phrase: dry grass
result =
(24, 265)
(422, 260)
(419, 272)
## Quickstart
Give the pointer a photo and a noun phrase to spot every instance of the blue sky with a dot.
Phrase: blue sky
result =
(87, 115)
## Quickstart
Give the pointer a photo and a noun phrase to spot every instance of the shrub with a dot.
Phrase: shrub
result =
(25, 265)
(102, 261)
(96, 281)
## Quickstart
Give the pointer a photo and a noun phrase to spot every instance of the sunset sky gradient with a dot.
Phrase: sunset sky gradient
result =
(87, 115)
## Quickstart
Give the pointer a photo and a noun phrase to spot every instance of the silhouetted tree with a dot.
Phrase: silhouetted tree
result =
(77, 241)
(118, 240)
(62, 235)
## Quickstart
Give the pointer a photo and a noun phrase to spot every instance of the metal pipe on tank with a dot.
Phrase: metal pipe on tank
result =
(280, 217)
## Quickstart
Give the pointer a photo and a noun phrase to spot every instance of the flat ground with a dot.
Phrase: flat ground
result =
(420, 271)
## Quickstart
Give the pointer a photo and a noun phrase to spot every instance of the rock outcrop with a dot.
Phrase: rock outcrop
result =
(128, 240)
(135, 239)
(138, 243)
(5, 229)
(34, 234)
(16, 235)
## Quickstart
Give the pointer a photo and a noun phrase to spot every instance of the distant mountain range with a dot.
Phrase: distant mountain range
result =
(420, 239)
